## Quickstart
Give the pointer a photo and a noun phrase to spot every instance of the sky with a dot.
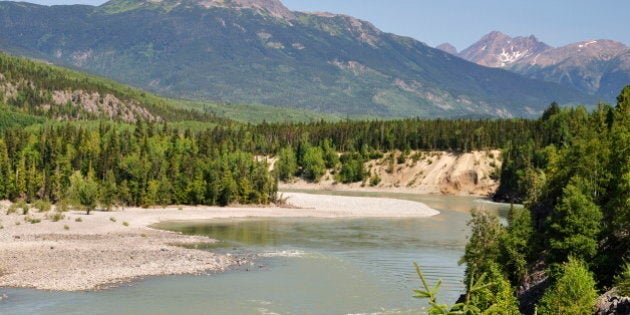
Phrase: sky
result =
(463, 22)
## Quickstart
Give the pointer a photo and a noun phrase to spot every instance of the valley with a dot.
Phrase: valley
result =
(242, 157)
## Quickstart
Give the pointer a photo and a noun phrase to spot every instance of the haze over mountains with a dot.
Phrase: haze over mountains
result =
(258, 51)
(597, 67)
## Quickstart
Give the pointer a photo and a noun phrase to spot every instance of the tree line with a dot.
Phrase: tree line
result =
(141, 165)
(571, 240)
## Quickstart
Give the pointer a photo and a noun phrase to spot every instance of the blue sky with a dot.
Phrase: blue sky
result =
(462, 22)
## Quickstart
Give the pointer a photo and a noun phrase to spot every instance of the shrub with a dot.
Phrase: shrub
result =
(483, 248)
(375, 180)
(314, 166)
(12, 208)
(352, 169)
(62, 206)
(401, 159)
(42, 205)
(572, 294)
(286, 166)
(25, 207)
(56, 216)
(31, 220)
(622, 281)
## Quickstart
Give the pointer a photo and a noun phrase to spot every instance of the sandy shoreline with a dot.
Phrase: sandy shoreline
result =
(83, 252)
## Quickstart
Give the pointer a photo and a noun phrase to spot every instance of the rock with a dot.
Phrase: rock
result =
(611, 304)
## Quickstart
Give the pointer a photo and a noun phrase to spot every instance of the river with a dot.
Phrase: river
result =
(299, 266)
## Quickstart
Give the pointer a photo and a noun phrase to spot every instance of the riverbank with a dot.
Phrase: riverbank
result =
(81, 252)
(474, 173)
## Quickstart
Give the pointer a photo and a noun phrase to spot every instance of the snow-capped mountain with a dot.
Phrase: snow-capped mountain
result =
(597, 67)
(499, 50)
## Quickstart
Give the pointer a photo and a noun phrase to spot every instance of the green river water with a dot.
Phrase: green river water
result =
(298, 266)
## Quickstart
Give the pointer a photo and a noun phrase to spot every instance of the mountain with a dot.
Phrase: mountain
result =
(33, 91)
(447, 47)
(597, 67)
(499, 50)
(259, 52)
(41, 90)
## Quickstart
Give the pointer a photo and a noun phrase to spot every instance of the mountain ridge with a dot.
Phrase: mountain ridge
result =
(599, 67)
(317, 61)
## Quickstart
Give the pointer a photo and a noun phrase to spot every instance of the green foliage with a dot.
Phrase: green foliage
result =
(574, 176)
(516, 244)
(483, 249)
(132, 166)
(495, 295)
(375, 180)
(55, 216)
(622, 281)
(35, 83)
(330, 154)
(506, 302)
(108, 191)
(352, 168)
(314, 166)
(286, 165)
(572, 294)
(83, 191)
(574, 226)
(42, 205)
(299, 66)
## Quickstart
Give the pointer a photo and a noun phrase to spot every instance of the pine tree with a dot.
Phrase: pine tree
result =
(574, 225)
(108, 191)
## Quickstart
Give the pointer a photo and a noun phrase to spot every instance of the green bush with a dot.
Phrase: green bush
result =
(483, 248)
(42, 205)
(352, 168)
(375, 180)
(572, 294)
(286, 165)
(622, 281)
(55, 216)
(314, 166)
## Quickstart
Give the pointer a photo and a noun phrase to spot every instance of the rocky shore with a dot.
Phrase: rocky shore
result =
(87, 252)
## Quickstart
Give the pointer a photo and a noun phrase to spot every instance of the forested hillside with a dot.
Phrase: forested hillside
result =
(39, 89)
(571, 241)
(259, 52)
(33, 90)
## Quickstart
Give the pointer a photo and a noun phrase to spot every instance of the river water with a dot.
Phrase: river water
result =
(299, 266)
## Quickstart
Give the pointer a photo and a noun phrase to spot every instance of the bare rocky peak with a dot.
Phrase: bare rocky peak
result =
(499, 50)
(447, 47)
